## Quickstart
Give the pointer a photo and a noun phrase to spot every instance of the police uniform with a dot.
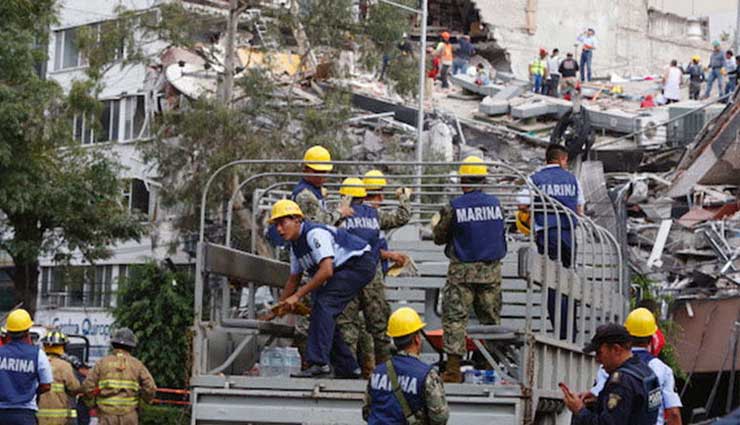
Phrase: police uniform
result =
(369, 223)
(563, 186)
(118, 382)
(22, 368)
(665, 377)
(472, 226)
(55, 406)
(630, 396)
(420, 385)
(354, 266)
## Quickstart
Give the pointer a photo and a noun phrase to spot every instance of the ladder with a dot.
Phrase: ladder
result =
(259, 22)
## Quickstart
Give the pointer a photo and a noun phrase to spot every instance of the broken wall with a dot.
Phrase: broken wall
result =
(626, 43)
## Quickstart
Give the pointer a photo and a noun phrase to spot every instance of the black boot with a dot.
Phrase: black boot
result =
(314, 371)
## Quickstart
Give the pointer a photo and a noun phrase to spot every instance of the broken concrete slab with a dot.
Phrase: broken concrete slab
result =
(511, 91)
(467, 82)
(540, 106)
(491, 106)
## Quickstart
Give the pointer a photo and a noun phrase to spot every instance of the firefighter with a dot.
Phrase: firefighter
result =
(119, 381)
(472, 227)
(24, 372)
(54, 406)
(366, 222)
(421, 399)
(339, 265)
(641, 325)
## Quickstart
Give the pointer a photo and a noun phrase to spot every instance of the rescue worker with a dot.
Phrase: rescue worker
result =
(405, 390)
(443, 51)
(25, 372)
(308, 193)
(119, 381)
(339, 265)
(632, 393)
(472, 227)
(55, 406)
(538, 72)
(523, 218)
(368, 222)
(557, 182)
(641, 325)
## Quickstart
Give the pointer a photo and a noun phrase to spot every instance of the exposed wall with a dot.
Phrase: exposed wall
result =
(626, 44)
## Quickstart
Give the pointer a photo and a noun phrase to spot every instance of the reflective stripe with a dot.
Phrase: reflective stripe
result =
(118, 401)
(118, 384)
(57, 388)
(56, 413)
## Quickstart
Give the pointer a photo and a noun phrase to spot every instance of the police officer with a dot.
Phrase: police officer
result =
(367, 223)
(557, 182)
(641, 325)
(339, 265)
(472, 226)
(632, 393)
(54, 406)
(119, 381)
(24, 372)
(308, 193)
(405, 390)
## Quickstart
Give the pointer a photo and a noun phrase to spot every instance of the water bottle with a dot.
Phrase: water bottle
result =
(470, 376)
(270, 362)
(489, 377)
(292, 359)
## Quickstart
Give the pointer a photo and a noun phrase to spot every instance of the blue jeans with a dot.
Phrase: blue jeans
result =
(586, 58)
(539, 86)
(17, 417)
(459, 65)
(325, 344)
(714, 74)
(731, 84)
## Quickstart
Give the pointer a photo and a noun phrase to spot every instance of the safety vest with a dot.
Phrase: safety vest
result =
(55, 404)
(118, 387)
(561, 185)
(304, 185)
(650, 394)
(523, 224)
(538, 67)
(303, 252)
(411, 375)
(365, 224)
(478, 227)
(18, 374)
(447, 56)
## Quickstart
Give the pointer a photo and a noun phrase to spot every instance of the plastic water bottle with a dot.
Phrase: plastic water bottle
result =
(470, 376)
(489, 377)
(292, 360)
(271, 361)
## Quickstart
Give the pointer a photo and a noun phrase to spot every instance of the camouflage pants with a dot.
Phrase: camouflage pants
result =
(456, 301)
(375, 309)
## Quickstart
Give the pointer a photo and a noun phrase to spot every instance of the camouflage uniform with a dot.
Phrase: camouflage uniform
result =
(436, 412)
(372, 300)
(118, 382)
(477, 283)
(54, 406)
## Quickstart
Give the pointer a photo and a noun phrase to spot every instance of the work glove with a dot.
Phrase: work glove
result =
(405, 191)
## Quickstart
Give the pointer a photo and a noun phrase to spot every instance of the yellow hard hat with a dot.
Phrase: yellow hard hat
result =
(696, 58)
(641, 323)
(18, 321)
(404, 321)
(473, 166)
(284, 208)
(352, 186)
(317, 153)
(374, 180)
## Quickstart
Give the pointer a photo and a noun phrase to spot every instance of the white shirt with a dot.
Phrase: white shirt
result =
(553, 63)
(323, 245)
(588, 40)
(672, 84)
(665, 378)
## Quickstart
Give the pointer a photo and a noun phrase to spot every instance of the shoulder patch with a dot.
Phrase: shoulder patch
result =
(613, 401)
(615, 377)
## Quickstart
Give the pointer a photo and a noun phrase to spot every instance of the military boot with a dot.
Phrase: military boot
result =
(452, 369)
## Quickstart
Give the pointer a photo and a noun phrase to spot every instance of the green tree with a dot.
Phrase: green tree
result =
(56, 197)
(157, 304)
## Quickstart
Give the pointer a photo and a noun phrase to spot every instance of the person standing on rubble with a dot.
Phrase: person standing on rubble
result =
(641, 325)
(557, 182)
(588, 42)
(553, 73)
(472, 228)
(423, 400)
(731, 67)
(696, 77)
(568, 70)
(444, 53)
(716, 64)
(463, 53)
(339, 265)
(538, 72)
(367, 224)
(672, 83)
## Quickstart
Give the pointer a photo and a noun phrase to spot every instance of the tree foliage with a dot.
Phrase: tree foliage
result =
(56, 197)
(157, 304)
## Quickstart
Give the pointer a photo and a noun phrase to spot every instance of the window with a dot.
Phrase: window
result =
(66, 53)
(136, 196)
(134, 125)
(77, 286)
(86, 133)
